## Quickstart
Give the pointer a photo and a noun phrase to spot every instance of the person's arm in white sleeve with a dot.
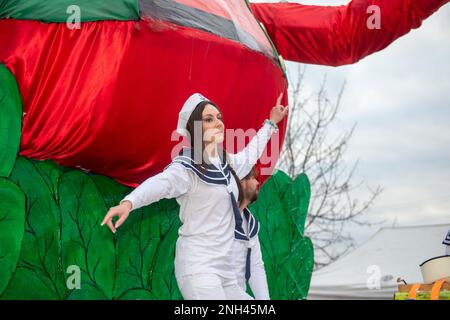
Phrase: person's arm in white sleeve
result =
(258, 279)
(173, 182)
(243, 161)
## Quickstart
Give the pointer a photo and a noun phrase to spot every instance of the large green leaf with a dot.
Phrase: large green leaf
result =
(64, 208)
(138, 294)
(89, 291)
(84, 242)
(135, 244)
(138, 240)
(10, 121)
(163, 281)
(296, 201)
(111, 191)
(12, 220)
(297, 270)
(27, 285)
(51, 174)
(41, 248)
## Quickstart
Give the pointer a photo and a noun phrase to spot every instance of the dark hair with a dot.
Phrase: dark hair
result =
(197, 140)
(252, 174)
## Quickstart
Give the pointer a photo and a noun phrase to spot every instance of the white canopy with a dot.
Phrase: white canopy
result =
(389, 254)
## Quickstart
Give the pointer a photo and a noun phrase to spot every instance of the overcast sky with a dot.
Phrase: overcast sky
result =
(400, 100)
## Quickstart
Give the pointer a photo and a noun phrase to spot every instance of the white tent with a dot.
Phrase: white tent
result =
(371, 270)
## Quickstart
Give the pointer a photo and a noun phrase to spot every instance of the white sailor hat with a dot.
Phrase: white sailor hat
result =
(186, 111)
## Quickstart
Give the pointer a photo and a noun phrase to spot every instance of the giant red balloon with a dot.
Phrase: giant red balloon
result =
(105, 97)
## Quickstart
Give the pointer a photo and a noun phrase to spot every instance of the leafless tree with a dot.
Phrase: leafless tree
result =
(308, 148)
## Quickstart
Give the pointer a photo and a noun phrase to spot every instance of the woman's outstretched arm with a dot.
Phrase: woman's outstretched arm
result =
(173, 182)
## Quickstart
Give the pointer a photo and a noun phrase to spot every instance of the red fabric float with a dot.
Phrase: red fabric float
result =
(106, 97)
(339, 35)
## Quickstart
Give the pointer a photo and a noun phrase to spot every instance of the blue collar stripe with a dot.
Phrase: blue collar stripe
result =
(187, 154)
(240, 236)
(208, 172)
(239, 232)
(255, 230)
(211, 167)
(248, 264)
(215, 178)
(253, 225)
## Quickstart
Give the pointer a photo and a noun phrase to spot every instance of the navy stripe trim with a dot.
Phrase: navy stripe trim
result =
(210, 167)
(209, 180)
(252, 222)
(187, 153)
(213, 176)
(248, 264)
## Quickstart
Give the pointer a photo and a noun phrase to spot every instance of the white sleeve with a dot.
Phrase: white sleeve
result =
(258, 279)
(243, 161)
(173, 182)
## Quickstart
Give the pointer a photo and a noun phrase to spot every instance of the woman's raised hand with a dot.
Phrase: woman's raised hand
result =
(121, 211)
(279, 111)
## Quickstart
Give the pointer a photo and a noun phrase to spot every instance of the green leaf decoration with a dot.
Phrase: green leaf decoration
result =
(163, 281)
(296, 271)
(27, 285)
(12, 220)
(137, 242)
(138, 294)
(10, 121)
(296, 201)
(88, 291)
(56, 227)
(41, 248)
(51, 175)
(84, 242)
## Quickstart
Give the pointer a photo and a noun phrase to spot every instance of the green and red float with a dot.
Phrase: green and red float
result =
(87, 113)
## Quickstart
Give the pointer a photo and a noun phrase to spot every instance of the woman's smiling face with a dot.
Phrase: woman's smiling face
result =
(212, 125)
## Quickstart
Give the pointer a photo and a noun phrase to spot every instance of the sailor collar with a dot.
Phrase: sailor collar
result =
(211, 174)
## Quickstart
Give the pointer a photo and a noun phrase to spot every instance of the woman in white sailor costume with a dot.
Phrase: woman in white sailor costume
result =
(247, 257)
(205, 182)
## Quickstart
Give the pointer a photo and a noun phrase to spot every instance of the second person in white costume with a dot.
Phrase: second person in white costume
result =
(247, 257)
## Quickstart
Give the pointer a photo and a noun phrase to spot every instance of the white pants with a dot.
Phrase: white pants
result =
(210, 286)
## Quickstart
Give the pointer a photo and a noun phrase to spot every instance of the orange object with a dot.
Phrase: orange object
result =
(413, 292)
(437, 289)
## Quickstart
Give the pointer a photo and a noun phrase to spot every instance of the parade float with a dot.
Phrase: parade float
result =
(89, 97)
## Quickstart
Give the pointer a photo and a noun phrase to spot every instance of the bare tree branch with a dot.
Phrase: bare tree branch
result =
(309, 149)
